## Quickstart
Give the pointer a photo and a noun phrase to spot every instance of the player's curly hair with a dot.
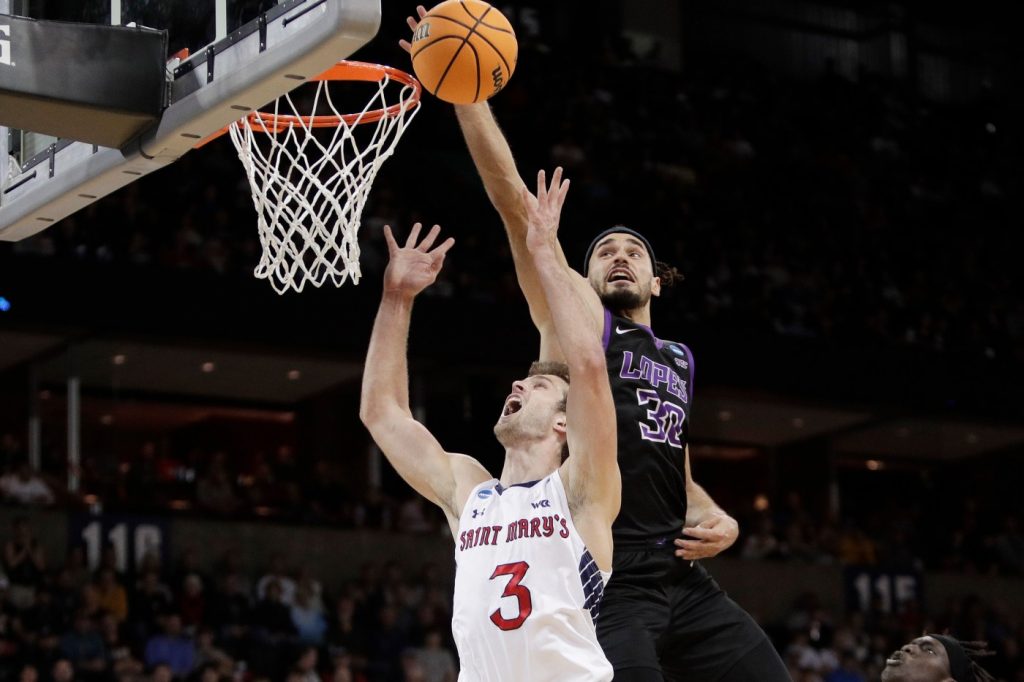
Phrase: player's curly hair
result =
(669, 274)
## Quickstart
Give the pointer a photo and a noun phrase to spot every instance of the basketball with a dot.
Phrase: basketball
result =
(464, 51)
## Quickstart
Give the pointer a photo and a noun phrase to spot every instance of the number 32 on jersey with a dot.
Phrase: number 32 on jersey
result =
(665, 419)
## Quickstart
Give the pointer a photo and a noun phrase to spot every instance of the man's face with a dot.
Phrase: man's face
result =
(922, 660)
(532, 409)
(621, 272)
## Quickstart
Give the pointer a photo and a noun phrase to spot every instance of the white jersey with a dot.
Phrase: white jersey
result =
(527, 591)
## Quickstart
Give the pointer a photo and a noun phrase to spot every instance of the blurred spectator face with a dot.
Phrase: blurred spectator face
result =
(307, 661)
(922, 660)
(193, 585)
(62, 671)
(172, 625)
(162, 673)
(28, 674)
(274, 591)
(621, 273)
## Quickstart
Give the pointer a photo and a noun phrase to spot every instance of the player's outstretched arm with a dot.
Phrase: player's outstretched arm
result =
(592, 471)
(709, 530)
(384, 404)
(496, 165)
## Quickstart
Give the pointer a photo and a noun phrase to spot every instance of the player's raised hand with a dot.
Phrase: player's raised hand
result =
(414, 267)
(544, 210)
(709, 538)
(413, 23)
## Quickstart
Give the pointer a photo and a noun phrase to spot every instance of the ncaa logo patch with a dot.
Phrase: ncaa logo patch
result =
(484, 494)
(676, 349)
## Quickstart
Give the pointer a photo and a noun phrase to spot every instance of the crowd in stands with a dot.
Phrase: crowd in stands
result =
(838, 210)
(62, 621)
(979, 534)
(822, 646)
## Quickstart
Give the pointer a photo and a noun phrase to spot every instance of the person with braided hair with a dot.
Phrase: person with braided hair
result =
(937, 658)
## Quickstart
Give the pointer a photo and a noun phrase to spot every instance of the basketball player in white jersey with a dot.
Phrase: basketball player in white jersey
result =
(533, 549)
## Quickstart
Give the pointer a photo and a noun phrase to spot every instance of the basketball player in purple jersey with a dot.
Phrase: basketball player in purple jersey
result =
(533, 549)
(663, 616)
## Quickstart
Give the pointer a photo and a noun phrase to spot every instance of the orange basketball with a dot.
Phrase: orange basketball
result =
(464, 51)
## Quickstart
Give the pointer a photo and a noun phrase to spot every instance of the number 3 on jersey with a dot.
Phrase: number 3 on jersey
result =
(524, 601)
(667, 419)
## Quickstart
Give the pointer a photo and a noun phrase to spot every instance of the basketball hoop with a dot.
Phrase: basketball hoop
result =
(309, 193)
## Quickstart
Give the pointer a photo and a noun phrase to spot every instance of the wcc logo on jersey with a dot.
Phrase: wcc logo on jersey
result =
(5, 46)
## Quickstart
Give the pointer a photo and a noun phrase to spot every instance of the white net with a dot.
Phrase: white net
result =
(309, 190)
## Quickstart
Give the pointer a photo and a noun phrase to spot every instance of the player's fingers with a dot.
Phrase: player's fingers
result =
(410, 243)
(441, 250)
(405, 45)
(542, 188)
(562, 191)
(413, 22)
(421, 10)
(390, 239)
(701, 532)
(691, 555)
(428, 241)
(556, 180)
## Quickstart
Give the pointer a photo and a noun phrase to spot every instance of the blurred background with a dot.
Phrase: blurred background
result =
(183, 469)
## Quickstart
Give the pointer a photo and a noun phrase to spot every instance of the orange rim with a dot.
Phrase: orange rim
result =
(264, 122)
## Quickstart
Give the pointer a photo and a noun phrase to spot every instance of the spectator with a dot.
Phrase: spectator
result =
(172, 648)
(150, 601)
(214, 492)
(24, 563)
(208, 655)
(272, 616)
(437, 662)
(277, 574)
(63, 671)
(28, 673)
(307, 616)
(192, 603)
(112, 596)
(25, 487)
(305, 666)
(761, 544)
(123, 663)
(84, 648)
(849, 670)
(162, 672)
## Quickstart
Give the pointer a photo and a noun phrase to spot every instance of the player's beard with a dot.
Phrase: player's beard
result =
(621, 300)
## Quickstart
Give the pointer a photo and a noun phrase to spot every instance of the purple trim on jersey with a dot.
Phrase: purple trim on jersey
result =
(529, 484)
(607, 329)
(593, 584)
(689, 359)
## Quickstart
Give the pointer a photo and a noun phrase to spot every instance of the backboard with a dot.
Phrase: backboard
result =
(241, 55)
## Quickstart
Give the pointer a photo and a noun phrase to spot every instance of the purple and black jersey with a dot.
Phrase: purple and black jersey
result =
(652, 386)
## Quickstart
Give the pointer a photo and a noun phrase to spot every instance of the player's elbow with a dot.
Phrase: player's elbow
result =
(588, 361)
(373, 413)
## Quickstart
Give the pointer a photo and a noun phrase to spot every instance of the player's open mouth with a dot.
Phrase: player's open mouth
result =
(896, 658)
(512, 405)
(620, 275)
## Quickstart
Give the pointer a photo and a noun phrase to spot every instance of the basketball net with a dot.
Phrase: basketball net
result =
(310, 193)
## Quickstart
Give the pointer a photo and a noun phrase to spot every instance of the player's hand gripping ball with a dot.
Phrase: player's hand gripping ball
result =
(464, 51)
